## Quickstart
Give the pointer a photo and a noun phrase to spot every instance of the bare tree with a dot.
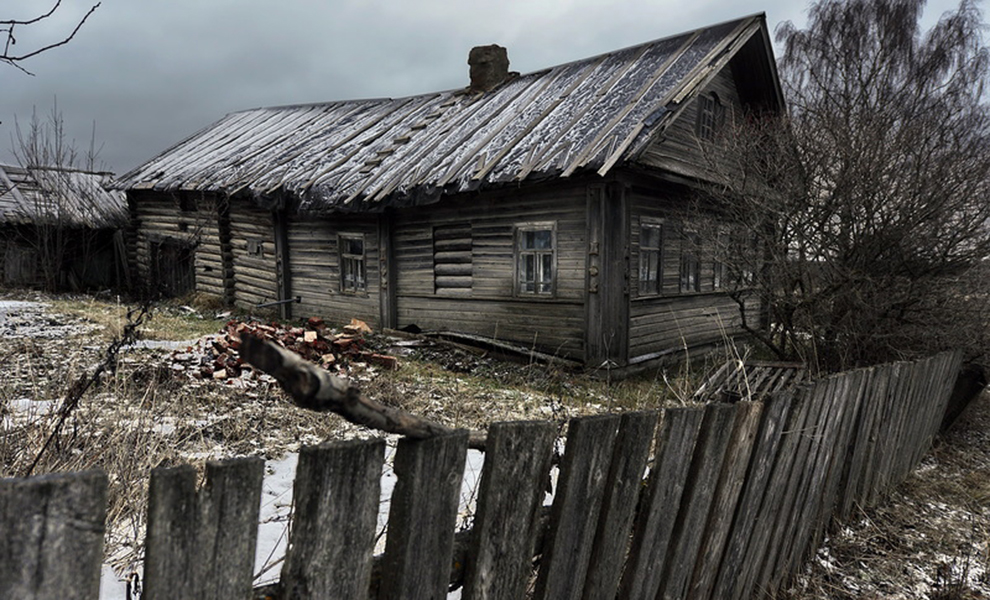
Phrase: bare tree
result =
(56, 223)
(9, 29)
(870, 203)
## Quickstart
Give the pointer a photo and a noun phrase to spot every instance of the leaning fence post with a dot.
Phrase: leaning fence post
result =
(51, 536)
(422, 516)
(202, 544)
(513, 483)
(332, 536)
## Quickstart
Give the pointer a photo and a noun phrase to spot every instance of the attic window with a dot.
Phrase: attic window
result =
(453, 271)
(711, 116)
(536, 259)
(353, 275)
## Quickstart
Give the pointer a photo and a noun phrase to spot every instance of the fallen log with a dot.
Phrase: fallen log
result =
(314, 388)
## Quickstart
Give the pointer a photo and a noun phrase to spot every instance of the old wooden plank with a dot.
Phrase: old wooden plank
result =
(762, 543)
(859, 434)
(53, 528)
(201, 544)
(513, 483)
(843, 452)
(625, 481)
(796, 485)
(665, 486)
(334, 518)
(776, 411)
(698, 498)
(726, 498)
(576, 506)
(814, 497)
(421, 520)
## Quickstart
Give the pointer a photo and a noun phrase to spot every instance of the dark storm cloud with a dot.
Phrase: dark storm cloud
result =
(152, 72)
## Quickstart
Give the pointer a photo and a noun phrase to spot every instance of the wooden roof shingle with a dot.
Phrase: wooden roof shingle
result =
(60, 196)
(587, 115)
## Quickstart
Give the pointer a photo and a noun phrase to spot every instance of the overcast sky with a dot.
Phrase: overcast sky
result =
(152, 72)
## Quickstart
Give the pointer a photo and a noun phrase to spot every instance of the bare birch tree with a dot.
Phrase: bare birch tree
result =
(870, 201)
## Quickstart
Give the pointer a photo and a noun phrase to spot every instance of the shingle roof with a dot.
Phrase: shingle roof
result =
(587, 115)
(66, 197)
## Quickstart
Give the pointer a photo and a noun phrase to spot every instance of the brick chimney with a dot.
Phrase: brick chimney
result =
(489, 67)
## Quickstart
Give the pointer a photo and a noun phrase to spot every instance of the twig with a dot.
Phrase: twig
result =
(314, 388)
(81, 385)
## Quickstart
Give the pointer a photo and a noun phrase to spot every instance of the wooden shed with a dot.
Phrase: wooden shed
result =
(548, 210)
(60, 227)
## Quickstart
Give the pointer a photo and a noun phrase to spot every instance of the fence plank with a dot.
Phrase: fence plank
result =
(763, 542)
(335, 514)
(576, 506)
(513, 484)
(726, 496)
(625, 479)
(202, 544)
(422, 516)
(664, 488)
(699, 494)
(52, 542)
(775, 414)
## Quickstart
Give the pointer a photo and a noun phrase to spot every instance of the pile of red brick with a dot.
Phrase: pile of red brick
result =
(334, 350)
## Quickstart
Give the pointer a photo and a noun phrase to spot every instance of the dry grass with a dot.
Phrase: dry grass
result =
(144, 415)
(929, 539)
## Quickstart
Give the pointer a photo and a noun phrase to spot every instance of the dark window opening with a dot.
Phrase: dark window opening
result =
(650, 258)
(353, 275)
(535, 259)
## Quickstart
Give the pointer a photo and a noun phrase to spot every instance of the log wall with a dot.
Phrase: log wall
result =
(158, 216)
(253, 254)
(489, 306)
(314, 261)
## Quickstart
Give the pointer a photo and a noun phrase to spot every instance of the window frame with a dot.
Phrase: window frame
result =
(711, 116)
(689, 273)
(518, 254)
(344, 258)
(644, 251)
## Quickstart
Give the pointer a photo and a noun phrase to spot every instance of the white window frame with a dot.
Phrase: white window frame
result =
(348, 260)
(520, 254)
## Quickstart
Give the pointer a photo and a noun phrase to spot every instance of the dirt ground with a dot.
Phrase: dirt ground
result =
(929, 539)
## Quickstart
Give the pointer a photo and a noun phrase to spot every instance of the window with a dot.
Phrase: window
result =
(718, 262)
(535, 259)
(711, 116)
(690, 266)
(353, 277)
(453, 271)
(650, 257)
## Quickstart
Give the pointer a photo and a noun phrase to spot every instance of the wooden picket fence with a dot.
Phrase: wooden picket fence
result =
(734, 499)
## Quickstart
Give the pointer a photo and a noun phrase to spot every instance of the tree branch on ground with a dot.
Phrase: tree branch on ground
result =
(314, 388)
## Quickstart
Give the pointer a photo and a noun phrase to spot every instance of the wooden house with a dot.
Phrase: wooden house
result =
(60, 227)
(548, 210)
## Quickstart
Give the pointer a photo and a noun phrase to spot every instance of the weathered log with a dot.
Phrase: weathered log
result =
(314, 388)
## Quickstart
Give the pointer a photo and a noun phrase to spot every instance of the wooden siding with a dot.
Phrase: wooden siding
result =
(253, 251)
(679, 150)
(490, 307)
(159, 217)
(674, 319)
(315, 268)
